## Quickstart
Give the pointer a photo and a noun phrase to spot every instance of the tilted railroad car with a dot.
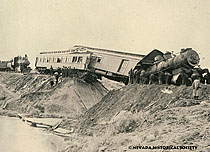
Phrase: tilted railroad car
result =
(114, 65)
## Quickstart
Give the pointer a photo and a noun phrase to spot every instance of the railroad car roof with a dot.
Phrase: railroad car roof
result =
(54, 52)
(109, 51)
(85, 48)
(149, 58)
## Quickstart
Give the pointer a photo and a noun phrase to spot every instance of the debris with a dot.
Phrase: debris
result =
(167, 90)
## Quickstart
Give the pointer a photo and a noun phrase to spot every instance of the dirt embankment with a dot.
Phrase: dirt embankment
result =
(32, 94)
(147, 115)
(111, 84)
(142, 98)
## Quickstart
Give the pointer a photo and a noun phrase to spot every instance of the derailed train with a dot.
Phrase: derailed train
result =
(117, 65)
(169, 68)
(111, 64)
(17, 64)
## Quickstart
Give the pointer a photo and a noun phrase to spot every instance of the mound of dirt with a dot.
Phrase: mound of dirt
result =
(146, 115)
(146, 98)
(110, 84)
(34, 95)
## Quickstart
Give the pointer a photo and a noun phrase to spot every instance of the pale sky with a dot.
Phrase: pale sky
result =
(139, 26)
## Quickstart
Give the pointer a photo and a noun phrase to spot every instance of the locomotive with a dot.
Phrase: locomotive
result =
(176, 65)
(17, 64)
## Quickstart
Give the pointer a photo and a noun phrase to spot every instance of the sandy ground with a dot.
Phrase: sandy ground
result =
(32, 94)
(145, 115)
(110, 84)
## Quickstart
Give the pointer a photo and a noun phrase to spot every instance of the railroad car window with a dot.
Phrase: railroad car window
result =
(54, 59)
(80, 59)
(74, 59)
(93, 58)
(62, 60)
(40, 60)
(58, 60)
(98, 59)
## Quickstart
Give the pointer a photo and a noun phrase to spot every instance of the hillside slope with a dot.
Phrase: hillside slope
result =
(33, 94)
(145, 98)
(147, 115)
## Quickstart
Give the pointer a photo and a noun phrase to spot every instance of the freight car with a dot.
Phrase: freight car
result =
(111, 64)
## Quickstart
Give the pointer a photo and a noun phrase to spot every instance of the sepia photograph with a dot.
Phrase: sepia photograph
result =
(104, 75)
